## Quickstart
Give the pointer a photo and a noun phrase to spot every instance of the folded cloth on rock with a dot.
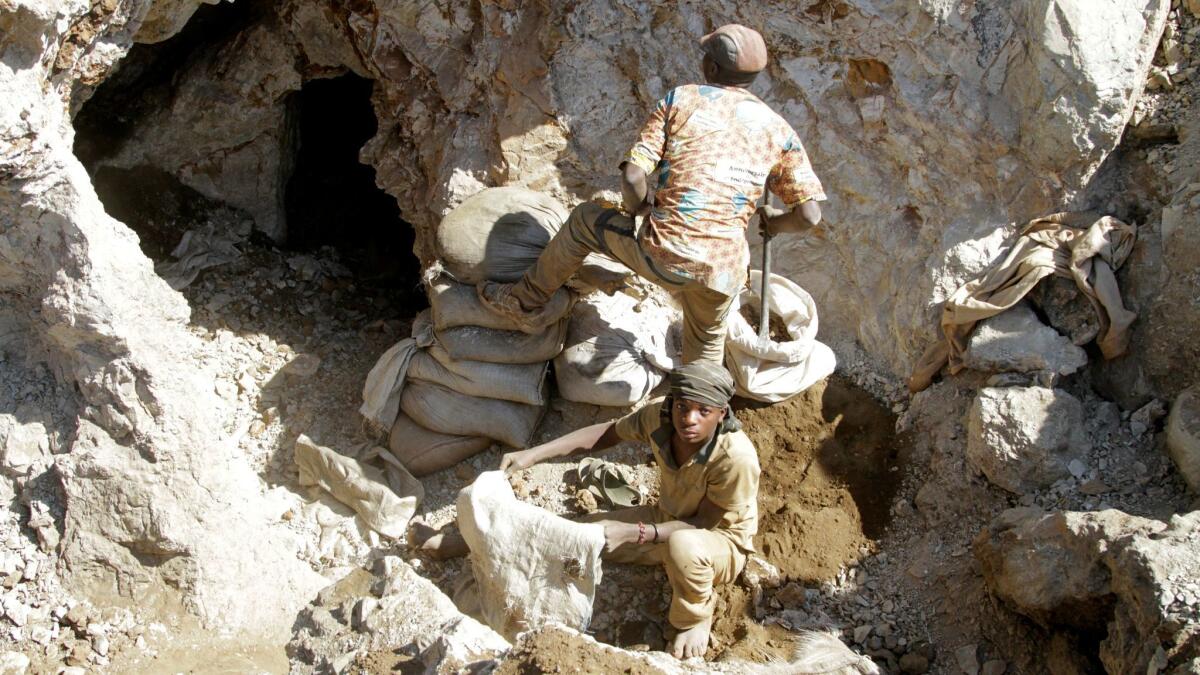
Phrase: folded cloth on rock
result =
(769, 370)
(1084, 247)
(385, 509)
(531, 566)
(198, 250)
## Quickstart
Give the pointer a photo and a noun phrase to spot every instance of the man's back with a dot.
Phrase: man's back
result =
(716, 147)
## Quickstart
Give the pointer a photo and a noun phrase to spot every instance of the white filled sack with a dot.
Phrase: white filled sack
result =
(767, 370)
(531, 566)
(617, 349)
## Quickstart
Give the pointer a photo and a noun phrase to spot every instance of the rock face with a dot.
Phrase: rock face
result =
(933, 125)
(160, 508)
(1017, 341)
(1102, 571)
(938, 128)
(1025, 438)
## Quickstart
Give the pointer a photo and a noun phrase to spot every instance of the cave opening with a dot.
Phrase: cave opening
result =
(331, 198)
(330, 204)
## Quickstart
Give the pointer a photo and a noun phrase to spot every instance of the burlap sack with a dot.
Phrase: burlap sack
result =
(497, 233)
(454, 304)
(519, 383)
(423, 451)
(446, 411)
(531, 566)
(617, 350)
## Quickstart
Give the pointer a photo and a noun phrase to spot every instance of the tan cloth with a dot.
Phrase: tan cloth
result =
(1080, 246)
(696, 562)
(726, 472)
(594, 229)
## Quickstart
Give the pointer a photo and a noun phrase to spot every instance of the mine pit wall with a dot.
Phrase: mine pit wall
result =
(933, 130)
(936, 127)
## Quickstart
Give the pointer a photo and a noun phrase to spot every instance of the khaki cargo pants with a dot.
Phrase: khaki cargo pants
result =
(696, 561)
(595, 229)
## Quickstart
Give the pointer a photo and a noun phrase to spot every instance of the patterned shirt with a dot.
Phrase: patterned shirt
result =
(716, 147)
(725, 471)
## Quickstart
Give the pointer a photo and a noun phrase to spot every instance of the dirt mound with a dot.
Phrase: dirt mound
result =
(557, 651)
(829, 471)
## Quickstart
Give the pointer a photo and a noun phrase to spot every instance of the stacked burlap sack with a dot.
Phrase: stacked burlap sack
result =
(619, 347)
(466, 378)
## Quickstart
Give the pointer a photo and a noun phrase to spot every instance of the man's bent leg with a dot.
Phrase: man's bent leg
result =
(704, 314)
(562, 257)
(696, 561)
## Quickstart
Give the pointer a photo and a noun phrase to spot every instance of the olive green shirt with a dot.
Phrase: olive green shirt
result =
(726, 471)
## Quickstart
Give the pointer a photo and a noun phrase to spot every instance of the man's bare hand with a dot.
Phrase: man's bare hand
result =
(617, 534)
(766, 213)
(513, 462)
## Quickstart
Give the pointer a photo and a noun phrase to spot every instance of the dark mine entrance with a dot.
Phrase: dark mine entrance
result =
(331, 197)
(332, 205)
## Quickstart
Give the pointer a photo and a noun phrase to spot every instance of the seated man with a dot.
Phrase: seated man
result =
(715, 148)
(702, 528)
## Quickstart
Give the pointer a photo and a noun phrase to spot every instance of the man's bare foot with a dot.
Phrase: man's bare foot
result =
(437, 544)
(693, 641)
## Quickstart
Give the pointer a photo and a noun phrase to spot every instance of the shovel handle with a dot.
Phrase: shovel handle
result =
(764, 291)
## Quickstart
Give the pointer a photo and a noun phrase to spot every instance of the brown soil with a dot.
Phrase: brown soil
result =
(551, 650)
(777, 330)
(830, 468)
(829, 471)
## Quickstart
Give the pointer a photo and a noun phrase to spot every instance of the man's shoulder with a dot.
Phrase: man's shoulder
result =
(740, 449)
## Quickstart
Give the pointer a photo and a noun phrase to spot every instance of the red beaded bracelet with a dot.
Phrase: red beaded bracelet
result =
(641, 532)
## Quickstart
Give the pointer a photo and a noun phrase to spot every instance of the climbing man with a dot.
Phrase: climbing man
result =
(715, 148)
(702, 527)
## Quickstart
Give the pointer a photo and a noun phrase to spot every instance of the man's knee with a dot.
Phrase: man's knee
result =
(686, 550)
(582, 222)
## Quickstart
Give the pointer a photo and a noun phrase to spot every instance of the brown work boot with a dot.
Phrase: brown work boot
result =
(498, 298)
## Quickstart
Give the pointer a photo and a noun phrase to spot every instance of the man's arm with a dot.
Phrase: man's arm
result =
(635, 191)
(803, 217)
(708, 515)
(588, 439)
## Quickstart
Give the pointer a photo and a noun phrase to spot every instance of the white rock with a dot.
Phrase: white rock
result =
(1024, 438)
(13, 663)
(1017, 341)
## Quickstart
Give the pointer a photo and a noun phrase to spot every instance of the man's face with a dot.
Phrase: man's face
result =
(695, 422)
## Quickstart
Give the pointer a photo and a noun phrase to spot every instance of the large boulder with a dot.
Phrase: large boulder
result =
(1016, 340)
(1130, 578)
(1183, 436)
(1051, 566)
(1026, 438)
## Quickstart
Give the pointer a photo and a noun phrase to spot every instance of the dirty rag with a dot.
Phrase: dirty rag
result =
(1084, 247)
(198, 250)
(384, 504)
